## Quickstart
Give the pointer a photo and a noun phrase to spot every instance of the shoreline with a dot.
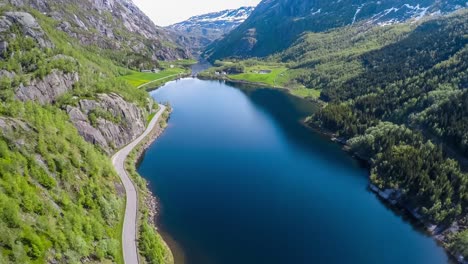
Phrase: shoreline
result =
(149, 201)
(390, 198)
(260, 85)
(438, 234)
(132, 192)
(153, 88)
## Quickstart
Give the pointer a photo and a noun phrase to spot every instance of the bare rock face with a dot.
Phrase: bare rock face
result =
(48, 89)
(7, 74)
(128, 121)
(13, 129)
(28, 25)
(109, 24)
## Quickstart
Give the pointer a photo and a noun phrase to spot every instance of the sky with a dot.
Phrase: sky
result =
(167, 12)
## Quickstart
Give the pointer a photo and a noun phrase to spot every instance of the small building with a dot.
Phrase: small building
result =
(224, 73)
(155, 70)
(143, 70)
(172, 66)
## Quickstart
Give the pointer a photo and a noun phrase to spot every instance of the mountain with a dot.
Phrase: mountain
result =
(64, 109)
(275, 24)
(110, 24)
(199, 31)
(397, 97)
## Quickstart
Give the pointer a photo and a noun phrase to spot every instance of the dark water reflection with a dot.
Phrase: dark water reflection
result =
(241, 180)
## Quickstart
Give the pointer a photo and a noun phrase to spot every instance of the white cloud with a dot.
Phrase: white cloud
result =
(167, 12)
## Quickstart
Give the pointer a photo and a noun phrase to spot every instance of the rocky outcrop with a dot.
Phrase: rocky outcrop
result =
(13, 130)
(109, 24)
(7, 74)
(48, 89)
(89, 117)
(199, 31)
(27, 24)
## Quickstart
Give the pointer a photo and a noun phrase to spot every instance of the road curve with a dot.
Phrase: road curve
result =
(129, 234)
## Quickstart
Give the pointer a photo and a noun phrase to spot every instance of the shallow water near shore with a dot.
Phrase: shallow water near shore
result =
(241, 180)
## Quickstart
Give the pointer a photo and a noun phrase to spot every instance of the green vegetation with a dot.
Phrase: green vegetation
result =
(57, 192)
(168, 71)
(306, 93)
(60, 199)
(151, 245)
(398, 96)
(402, 157)
(137, 79)
(263, 72)
(255, 75)
(460, 243)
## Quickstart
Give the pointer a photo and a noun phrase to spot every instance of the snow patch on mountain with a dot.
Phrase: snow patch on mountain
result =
(227, 18)
(199, 31)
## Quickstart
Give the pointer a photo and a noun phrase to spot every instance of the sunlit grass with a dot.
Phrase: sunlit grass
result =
(306, 92)
(137, 79)
(252, 74)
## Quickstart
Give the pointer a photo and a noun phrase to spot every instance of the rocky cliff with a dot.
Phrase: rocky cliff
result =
(199, 31)
(109, 24)
(108, 122)
(27, 24)
(48, 89)
(60, 198)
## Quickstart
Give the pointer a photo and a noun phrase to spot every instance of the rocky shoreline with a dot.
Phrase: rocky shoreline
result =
(149, 203)
(392, 198)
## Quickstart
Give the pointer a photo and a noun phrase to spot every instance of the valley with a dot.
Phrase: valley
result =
(243, 170)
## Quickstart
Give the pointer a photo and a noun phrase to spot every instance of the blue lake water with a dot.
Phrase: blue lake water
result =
(241, 180)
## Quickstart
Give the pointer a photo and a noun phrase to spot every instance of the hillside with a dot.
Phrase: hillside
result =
(199, 31)
(275, 24)
(396, 95)
(401, 107)
(64, 109)
(116, 25)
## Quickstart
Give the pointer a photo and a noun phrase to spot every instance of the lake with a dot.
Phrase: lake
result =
(241, 180)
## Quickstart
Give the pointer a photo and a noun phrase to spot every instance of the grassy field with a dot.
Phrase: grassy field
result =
(137, 79)
(280, 76)
(305, 92)
(252, 74)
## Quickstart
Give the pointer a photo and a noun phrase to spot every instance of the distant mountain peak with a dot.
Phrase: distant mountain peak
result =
(199, 31)
(230, 18)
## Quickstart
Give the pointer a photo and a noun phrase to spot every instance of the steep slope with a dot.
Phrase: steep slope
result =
(63, 109)
(276, 24)
(396, 95)
(111, 24)
(401, 106)
(199, 31)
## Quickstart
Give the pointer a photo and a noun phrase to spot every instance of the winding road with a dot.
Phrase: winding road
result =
(129, 234)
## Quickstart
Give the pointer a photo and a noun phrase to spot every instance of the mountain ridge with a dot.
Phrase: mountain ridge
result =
(199, 31)
(110, 24)
(276, 24)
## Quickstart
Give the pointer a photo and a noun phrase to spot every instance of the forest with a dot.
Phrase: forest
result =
(405, 110)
